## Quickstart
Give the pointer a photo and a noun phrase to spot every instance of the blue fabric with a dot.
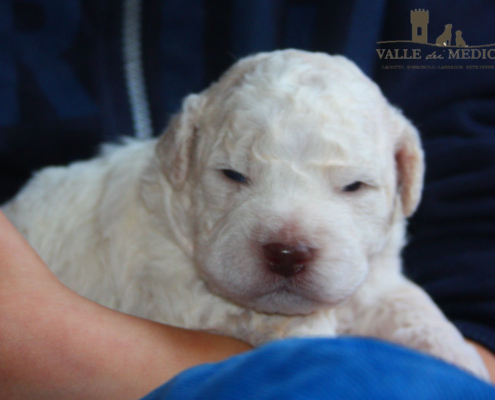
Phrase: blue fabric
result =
(337, 369)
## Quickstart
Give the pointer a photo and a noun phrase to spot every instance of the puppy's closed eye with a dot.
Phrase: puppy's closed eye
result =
(353, 187)
(235, 176)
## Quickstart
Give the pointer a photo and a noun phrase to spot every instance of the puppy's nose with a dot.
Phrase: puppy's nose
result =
(287, 260)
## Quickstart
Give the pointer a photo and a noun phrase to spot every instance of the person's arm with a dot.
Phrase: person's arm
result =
(55, 344)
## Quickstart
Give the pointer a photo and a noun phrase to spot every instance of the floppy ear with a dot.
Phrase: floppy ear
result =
(174, 148)
(409, 160)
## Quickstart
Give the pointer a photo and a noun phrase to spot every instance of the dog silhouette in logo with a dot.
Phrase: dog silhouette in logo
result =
(459, 41)
(444, 38)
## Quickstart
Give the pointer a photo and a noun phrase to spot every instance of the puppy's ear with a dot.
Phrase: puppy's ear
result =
(174, 148)
(409, 161)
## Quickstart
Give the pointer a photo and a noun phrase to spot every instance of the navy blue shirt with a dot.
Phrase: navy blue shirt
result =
(75, 73)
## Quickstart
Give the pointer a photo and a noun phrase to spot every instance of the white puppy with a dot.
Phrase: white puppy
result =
(274, 205)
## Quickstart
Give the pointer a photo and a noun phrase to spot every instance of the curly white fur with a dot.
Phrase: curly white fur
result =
(153, 228)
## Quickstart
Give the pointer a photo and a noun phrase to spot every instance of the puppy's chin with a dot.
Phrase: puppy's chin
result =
(282, 301)
(286, 302)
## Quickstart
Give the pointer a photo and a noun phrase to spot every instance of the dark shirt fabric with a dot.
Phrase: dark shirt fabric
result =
(63, 91)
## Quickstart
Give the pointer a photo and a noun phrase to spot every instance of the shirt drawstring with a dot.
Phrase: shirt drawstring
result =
(133, 69)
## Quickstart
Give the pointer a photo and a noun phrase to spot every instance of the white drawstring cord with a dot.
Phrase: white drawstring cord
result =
(133, 67)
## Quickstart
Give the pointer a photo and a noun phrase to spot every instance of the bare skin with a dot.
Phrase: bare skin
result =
(488, 358)
(55, 344)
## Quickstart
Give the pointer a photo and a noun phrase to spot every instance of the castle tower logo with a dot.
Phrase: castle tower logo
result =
(419, 22)
(451, 44)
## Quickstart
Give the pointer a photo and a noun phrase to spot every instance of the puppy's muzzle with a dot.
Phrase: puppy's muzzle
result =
(288, 260)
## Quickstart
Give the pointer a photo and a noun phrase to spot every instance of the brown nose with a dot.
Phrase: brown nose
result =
(287, 260)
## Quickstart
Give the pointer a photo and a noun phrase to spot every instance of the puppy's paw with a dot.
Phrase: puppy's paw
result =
(444, 341)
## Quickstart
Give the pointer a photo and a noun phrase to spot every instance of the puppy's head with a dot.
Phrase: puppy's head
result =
(296, 167)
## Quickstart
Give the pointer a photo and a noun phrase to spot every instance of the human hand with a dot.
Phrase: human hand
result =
(488, 358)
